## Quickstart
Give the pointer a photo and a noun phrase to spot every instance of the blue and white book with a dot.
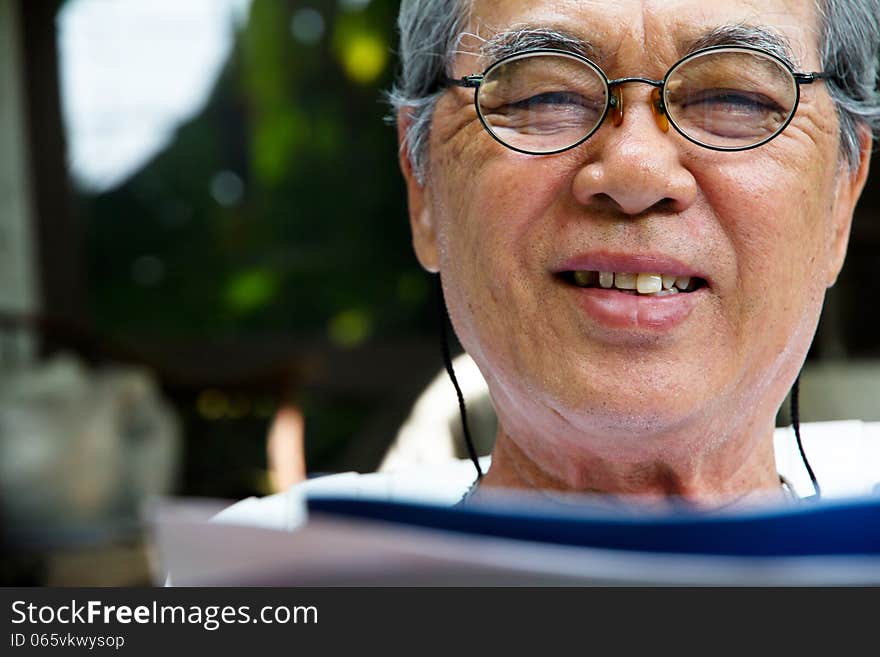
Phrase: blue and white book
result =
(348, 541)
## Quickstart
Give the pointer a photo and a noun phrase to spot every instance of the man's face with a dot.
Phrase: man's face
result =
(765, 229)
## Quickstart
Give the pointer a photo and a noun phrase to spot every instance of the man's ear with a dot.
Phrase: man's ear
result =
(850, 183)
(421, 220)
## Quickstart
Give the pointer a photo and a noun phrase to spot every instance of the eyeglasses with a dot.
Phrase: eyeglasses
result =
(726, 98)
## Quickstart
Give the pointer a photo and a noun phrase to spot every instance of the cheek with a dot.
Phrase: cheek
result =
(495, 226)
(508, 198)
(777, 225)
(494, 237)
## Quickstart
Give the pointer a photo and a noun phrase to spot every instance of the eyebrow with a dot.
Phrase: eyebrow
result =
(753, 36)
(533, 37)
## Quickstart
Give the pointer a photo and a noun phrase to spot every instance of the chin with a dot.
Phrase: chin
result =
(645, 412)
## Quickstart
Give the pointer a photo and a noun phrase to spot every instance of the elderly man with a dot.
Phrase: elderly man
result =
(636, 208)
(637, 261)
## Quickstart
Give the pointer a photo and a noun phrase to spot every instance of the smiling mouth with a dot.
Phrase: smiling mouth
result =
(638, 284)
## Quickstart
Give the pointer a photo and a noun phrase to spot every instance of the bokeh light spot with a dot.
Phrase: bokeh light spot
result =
(350, 328)
(251, 290)
(364, 57)
(307, 26)
(212, 405)
(227, 188)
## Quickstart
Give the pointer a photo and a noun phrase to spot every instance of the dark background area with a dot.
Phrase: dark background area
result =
(303, 285)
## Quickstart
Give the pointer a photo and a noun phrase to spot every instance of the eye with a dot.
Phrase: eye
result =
(553, 98)
(730, 100)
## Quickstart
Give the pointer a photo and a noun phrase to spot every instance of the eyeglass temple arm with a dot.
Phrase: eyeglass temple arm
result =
(810, 78)
(468, 81)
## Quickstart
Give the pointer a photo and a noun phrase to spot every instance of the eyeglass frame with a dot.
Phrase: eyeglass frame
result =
(475, 81)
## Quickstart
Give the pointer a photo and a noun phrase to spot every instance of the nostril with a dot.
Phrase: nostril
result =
(606, 202)
(599, 204)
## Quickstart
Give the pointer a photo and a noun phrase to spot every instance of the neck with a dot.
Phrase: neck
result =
(657, 473)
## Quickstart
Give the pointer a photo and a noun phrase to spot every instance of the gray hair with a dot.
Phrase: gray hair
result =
(850, 51)
(431, 30)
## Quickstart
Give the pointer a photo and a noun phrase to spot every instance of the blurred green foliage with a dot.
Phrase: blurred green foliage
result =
(311, 239)
(278, 210)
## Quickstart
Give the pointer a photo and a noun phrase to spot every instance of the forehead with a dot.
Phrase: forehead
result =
(655, 27)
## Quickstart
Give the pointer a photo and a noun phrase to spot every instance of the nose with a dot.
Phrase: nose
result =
(635, 166)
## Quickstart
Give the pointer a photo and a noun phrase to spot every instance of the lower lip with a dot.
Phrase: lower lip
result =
(620, 310)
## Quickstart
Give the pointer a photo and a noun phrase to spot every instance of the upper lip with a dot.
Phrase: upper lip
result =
(630, 263)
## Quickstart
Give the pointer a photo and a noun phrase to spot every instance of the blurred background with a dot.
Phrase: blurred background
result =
(202, 223)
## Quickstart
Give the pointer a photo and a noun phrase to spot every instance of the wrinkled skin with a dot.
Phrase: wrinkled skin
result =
(686, 410)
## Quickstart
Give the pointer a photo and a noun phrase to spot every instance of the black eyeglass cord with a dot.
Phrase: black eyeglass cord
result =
(447, 362)
(796, 425)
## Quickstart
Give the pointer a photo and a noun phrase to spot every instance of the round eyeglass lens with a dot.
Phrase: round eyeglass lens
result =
(542, 103)
(730, 99)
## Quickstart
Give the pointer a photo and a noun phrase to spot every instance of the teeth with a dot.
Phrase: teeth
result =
(625, 281)
(649, 283)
